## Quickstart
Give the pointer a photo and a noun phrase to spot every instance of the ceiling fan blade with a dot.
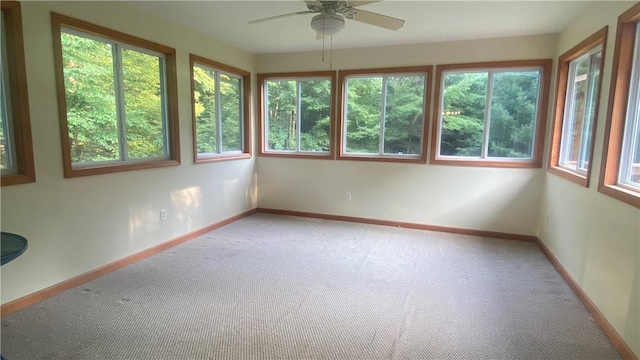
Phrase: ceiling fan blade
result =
(376, 19)
(360, 3)
(279, 17)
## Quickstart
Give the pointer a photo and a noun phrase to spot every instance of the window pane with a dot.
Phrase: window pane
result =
(513, 114)
(630, 160)
(590, 111)
(364, 105)
(231, 111)
(633, 175)
(91, 104)
(6, 150)
(5, 144)
(463, 112)
(315, 115)
(630, 157)
(404, 116)
(204, 86)
(281, 115)
(572, 128)
(574, 112)
(143, 104)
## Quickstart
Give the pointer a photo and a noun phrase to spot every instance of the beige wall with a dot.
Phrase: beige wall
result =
(76, 225)
(505, 200)
(595, 237)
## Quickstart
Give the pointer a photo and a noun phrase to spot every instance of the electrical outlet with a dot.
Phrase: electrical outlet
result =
(347, 196)
(163, 214)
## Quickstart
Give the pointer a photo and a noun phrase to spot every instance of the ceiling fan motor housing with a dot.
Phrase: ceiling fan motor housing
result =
(327, 24)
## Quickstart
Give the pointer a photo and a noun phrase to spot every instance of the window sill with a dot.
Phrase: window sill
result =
(221, 157)
(625, 195)
(17, 179)
(111, 168)
(385, 158)
(298, 155)
(572, 176)
(488, 163)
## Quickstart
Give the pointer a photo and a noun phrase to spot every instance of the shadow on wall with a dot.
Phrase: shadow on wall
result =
(146, 220)
(503, 200)
(496, 206)
(621, 278)
(632, 328)
(229, 188)
(186, 205)
(506, 200)
(238, 196)
(141, 221)
(251, 194)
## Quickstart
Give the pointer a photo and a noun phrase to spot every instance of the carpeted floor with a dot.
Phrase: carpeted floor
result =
(282, 287)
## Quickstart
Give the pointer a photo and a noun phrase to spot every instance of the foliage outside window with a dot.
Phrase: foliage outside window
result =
(577, 101)
(383, 114)
(220, 113)
(297, 113)
(117, 100)
(491, 114)
(620, 173)
(16, 151)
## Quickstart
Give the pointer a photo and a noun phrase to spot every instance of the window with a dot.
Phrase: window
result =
(296, 114)
(16, 150)
(117, 96)
(577, 99)
(220, 100)
(620, 172)
(491, 114)
(383, 114)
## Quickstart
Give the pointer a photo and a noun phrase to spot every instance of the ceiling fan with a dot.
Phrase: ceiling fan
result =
(331, 15)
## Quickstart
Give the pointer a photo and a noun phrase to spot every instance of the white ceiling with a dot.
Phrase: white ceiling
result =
(426, 21)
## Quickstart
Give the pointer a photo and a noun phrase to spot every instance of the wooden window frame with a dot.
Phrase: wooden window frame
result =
(617, 110)
(246, 109)
(538, 144)
(263, 142)
(343, 74)
(19, 97)
(599, 38)
(172, 132)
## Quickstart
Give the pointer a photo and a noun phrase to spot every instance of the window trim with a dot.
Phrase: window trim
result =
(599, 38)
(617, 110)
(19, 98)
(246, 152)
(341, 151)
(262, 142)
(538, 143)
(58, 21)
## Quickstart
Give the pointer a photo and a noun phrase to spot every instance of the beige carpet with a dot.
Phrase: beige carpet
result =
(281, 287)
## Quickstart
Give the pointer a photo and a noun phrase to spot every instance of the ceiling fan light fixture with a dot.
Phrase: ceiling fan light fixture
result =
(327, 24)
